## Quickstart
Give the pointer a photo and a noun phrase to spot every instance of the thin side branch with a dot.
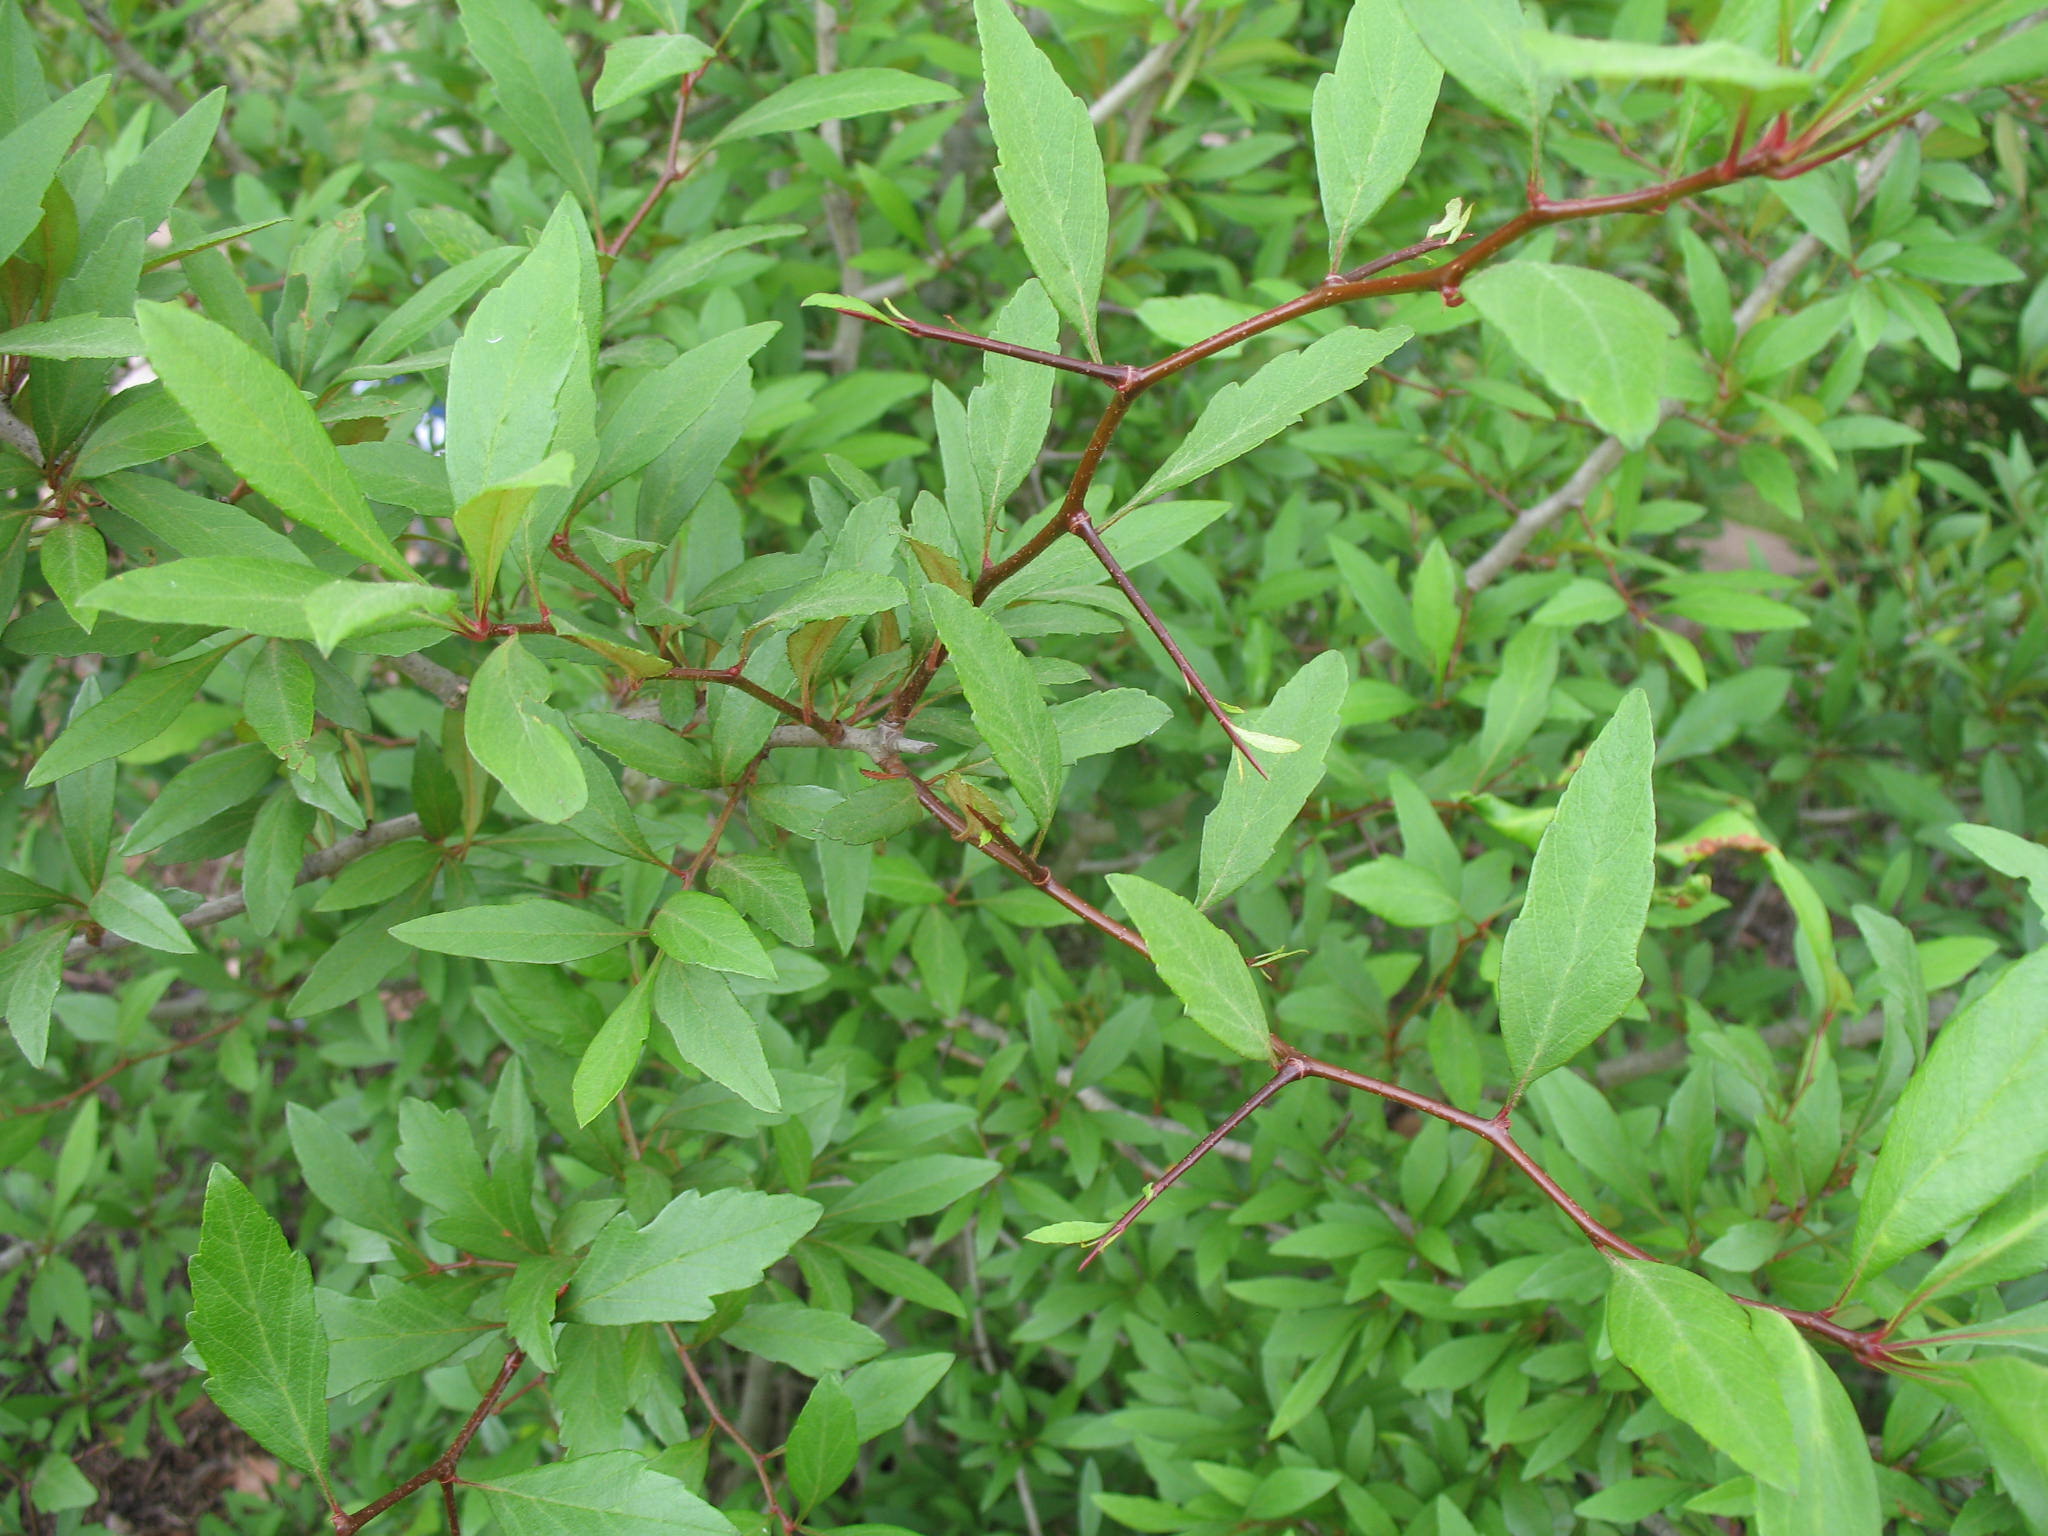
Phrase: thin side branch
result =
(317, 867)
(161, 85)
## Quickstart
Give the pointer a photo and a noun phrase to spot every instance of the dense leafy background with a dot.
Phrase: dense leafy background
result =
(789, 1130)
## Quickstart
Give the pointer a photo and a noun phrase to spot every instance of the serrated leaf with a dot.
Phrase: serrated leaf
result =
(1369, 117)
(700, 1246)
(1008, 709)
(73, 336)
(400, 1329)
(1239, 417)
(1589, 335)
(1200, 963)
(31, 154)
(254, 1322)
(1048, 165)
(1568, 965)
(814, 99)
(1693, 1348)
(263, 427)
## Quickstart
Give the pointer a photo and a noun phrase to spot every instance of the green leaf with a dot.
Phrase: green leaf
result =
(1967, 1128)
(277, 701)
(73, 336)
(1102, 722)
(1253, 813)
(30, 155)
(263, 597)
(400, 1329)
(1769, 85)
(1239, 417)
(1693, 1348)
(884, 1392)
(437, 298)
(2008, 1242)
(836, 595)
(153, 181)
(73, 557)
(1837, 1493)
(1008, 709)
(1369, 117)
(700, 1246)
(1589, 335)
(341, 610)
(1200, 963)
(814, 99)
(614, 1493)
(663, 405)
(714, 1033)
(1403, 893)
(767, 891)
(1483, 45)
(823, 1444)
(609, 1061)
(1048, 166)
(542, 113)
(2019, 857)
(263, 427)
(808, 1339)
(1008, 413)
(254, 1322)
(1568, 965)
(340, 1175)
(539, 932)
(1067, 1232)
(634, 65)
(696, 928)
(918, 1186)
(2005, 1403)
(488, 521)
(32, 987)
(507, 373)
(846, 304)
(199, 792)
(519, 739)
(139, 915)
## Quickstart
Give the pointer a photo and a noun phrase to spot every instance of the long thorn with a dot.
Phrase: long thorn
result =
(1291, 1070)
(1082, 525)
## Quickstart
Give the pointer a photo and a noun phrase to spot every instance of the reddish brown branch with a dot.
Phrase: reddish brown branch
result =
(443, 1469)
(1118, 374)
(672, 168)
(1085, 527)
(754, 1458)
(92, 1083)
(1004, 850)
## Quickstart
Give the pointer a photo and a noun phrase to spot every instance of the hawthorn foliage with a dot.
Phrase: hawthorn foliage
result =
(617, 625)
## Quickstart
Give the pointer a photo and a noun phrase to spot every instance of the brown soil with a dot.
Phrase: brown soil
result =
(166, 1490)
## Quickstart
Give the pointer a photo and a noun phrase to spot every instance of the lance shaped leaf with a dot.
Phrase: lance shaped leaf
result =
(713, 1032)
(30, 155)
(1369, 117)
(1693, 1348)
(2005, 1403)
(1009, 711)
(1967, 1128)
(1482, 44)
(700, 1246)
(1590, 336)
(815, 99)
(254, 1322)
(1718, 63)
(529, 62)
(1253, 813)
(1200, 963)
(1239, 417)
(263, 427)
(634, 65)
(1837, 1483)
(264, 597)
(1048, 166)
(538, 932)
(1568, 965)
(140, 708)
(1008, 413)
(609, 1060)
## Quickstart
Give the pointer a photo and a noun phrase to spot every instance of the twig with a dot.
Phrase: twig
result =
(1607, 456)
(317, 867)
(443, 1469)
(160, 85)
(754, 1457)
(1104, 107)
(672, 168)
(451, 688)
(92, 1084)
(20, 436)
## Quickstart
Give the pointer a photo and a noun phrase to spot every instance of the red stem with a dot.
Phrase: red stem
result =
(443, 1469)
